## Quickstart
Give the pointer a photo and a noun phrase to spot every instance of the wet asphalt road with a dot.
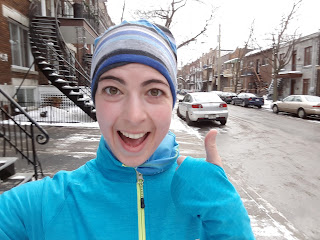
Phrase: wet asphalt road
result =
(273, 161)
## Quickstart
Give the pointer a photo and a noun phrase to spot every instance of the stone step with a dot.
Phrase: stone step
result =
(15, 180)
(7, 167)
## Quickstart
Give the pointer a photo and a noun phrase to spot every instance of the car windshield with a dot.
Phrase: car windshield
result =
(206, 97)
(250, 95)
(312, 98)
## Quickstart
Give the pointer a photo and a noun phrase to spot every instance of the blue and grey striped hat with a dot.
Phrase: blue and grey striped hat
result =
(136, 42)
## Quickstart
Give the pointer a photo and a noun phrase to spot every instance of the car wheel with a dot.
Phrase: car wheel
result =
(188, 120)
(243, 104)
(178, 113)
(275, 109)
(223, 122)
(301, 113)
(259, 106)
(232, 102)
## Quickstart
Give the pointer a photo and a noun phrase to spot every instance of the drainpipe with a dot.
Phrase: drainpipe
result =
(52, 8)
(43, 8)
(219, 56)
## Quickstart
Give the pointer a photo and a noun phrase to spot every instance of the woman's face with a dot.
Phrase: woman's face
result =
(133, 107)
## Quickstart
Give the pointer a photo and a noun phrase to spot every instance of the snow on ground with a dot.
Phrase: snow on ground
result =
(55, 115)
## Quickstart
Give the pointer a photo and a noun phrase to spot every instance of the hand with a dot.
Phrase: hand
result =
(212, 155)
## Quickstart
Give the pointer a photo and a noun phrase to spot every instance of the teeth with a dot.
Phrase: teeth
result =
(133, 136)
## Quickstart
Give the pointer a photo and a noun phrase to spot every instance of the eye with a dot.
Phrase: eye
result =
(155, 92)
(112, 90)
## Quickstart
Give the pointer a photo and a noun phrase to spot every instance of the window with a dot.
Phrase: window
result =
(258, 65)
(297, 99)
(307, 56)
(20, 48)
(25, 96)
(288, 99)
(264, 61)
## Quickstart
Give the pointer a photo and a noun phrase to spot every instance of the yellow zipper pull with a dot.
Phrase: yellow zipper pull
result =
(140, 182)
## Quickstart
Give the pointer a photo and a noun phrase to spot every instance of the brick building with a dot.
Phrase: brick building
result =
(44, 41)
(15, 53)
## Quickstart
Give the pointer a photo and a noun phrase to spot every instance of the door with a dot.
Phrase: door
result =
(305, 86)
(286, 104)
(295, 104)
(293, 86)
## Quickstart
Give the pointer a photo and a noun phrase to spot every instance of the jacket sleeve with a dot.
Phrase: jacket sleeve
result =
(19, 211)
(203, 190)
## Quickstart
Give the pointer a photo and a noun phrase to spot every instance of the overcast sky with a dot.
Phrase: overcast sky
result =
(234, 16)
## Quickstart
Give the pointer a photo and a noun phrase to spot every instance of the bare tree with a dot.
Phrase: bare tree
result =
(281, 39)
(241, 53)
(168, 15)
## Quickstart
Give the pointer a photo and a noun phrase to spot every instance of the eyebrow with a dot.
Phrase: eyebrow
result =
(110, 77)
(153, 81)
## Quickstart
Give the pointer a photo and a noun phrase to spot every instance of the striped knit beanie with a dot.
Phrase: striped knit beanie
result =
(135, 42)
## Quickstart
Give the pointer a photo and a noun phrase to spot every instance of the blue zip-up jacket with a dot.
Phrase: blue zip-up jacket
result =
(102, 200)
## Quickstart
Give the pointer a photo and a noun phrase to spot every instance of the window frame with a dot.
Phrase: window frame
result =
(307, 56)
(22, 58)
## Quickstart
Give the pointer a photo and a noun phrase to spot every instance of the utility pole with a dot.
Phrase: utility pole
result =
(219, 55)
(275, 72)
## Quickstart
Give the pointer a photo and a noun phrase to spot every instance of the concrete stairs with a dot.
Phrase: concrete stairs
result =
(8, 176)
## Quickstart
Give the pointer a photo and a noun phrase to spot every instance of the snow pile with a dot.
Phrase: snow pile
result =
(55, 115)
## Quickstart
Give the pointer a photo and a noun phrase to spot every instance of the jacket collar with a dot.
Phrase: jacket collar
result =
(162, 159)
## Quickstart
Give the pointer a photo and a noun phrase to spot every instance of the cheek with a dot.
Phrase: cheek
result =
(104, 117)
(162, 117)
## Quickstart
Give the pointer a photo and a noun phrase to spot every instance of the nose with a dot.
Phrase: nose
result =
(135, 110)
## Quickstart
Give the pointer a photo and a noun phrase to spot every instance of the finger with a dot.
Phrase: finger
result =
(180, 159)
(211, 148)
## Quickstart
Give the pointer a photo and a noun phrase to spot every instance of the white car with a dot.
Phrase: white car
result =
(301, 105)
(202, 106)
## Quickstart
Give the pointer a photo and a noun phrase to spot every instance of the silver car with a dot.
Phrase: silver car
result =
(200, 106)
(301, 105)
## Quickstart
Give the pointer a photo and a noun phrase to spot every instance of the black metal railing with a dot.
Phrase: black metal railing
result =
(21, 137)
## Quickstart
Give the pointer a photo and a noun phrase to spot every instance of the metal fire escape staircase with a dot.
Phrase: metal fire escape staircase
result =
(279, 85)
(58, 64)
(260, 84)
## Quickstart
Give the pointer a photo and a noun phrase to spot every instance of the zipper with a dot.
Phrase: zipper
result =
(141, 206)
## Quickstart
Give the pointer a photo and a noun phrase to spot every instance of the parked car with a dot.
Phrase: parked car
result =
(301, 105)
(247, 99)
(227, 96)
(201, 106)
(183, 91)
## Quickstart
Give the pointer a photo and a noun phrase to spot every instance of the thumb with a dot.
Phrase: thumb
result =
(211, 148)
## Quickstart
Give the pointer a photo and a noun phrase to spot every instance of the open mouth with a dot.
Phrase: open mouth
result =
(133, 140)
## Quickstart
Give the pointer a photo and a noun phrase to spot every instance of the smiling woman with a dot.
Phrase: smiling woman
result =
(139, 119)
(138, 186)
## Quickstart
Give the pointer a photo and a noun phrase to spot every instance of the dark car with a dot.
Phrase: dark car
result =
(247, 99)
(227, 96)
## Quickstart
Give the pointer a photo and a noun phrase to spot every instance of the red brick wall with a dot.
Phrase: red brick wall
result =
(22, 6)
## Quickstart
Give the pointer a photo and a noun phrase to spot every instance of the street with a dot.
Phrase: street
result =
(272, 160)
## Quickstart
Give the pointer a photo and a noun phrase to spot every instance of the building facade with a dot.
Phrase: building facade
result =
(79, 22)
(245, 70)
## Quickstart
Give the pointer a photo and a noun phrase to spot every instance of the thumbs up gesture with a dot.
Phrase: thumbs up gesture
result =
(212, 155)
